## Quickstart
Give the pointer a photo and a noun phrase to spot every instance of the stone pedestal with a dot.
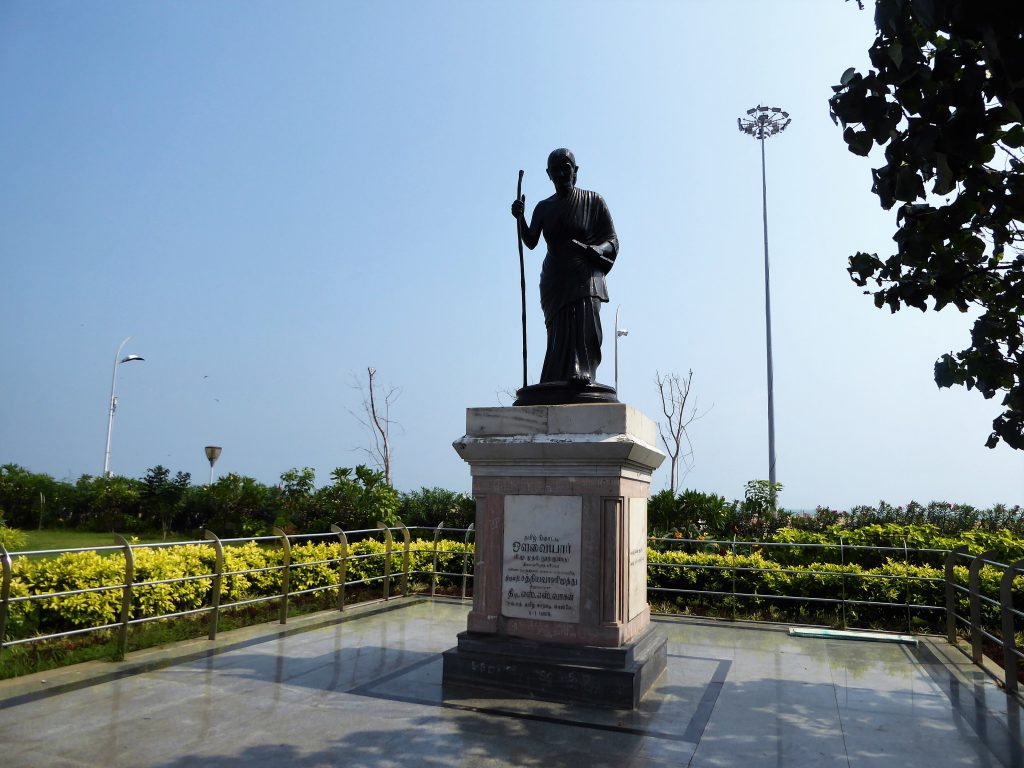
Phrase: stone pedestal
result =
(560, 587)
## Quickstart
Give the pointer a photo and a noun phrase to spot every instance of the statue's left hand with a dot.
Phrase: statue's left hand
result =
(589, 250)
(595, 255)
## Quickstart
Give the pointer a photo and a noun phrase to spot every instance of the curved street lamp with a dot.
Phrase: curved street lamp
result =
(113, 400)
(763, 123)
(618, 333)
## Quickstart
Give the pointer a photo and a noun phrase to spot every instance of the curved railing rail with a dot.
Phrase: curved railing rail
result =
(989, 616)
(992, 622)
(215, 605)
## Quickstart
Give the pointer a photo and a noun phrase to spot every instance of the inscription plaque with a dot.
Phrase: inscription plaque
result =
(637, 545)
(541, 557)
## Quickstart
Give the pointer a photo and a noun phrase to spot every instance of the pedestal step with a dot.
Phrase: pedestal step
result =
(610, 677)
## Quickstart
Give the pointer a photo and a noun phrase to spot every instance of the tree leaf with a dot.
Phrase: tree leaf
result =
(944, 181)
(859, 142)
(945, 368)
(909, 186)
(924, 10)
(1014, 138)
(896, 53)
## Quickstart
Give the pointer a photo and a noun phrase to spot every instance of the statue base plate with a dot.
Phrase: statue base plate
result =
(608, 677)
(565, 393)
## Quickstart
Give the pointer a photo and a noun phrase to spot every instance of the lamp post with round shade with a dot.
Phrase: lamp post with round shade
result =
(212, 454)
(762, 123)
(113, 400)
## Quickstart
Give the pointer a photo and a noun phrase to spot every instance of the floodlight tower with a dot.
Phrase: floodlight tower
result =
(762, 123)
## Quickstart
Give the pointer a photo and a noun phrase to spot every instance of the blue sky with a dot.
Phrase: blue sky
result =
(271, 197)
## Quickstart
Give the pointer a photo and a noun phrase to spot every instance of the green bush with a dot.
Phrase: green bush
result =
(428, 507)
(11, 539)
(312, 567)
(891, 580)
(948, 519)
(1007, 545)
(69, 572)
(690, 513)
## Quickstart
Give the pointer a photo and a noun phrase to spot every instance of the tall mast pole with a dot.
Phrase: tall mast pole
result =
(762, 123)
(768, 325)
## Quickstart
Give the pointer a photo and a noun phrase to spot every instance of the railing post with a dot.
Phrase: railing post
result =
(974, 587)
(388, 542)
(5, 592)
(218, 576)
(734, 600)
(433, 562)
(342, 565)
(1009, 636)
(907, 580)
(406, 542)
(951, 593)
(842, 562)
(126, 594)
(286, 567)
(465, 555)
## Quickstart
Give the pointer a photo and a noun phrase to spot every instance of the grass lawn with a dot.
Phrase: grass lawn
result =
(60, 539)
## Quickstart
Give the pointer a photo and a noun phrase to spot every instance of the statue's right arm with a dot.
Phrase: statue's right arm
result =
(531, 233)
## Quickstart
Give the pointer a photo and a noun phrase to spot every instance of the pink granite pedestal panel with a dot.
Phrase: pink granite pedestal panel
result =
(602, 454)
(603, 584)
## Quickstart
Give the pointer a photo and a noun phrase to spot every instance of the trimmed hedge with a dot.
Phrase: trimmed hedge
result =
(88, 570)
(1007, 545)
(774, 573)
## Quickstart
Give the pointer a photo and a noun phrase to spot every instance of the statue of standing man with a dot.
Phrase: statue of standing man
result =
(582, 246)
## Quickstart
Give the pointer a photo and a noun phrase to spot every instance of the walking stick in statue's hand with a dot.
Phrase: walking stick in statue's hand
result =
(522, 269)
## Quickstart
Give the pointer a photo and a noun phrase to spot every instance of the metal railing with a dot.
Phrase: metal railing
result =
(981, 608)
(841, 551)
(977, 623)
(129, 587)
(1006, 640)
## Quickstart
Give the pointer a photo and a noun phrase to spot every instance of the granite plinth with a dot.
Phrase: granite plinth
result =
(560, 576)
(608, 677)
(608, 440)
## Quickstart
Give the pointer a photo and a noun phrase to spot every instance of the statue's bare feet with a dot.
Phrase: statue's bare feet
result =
(580, 380)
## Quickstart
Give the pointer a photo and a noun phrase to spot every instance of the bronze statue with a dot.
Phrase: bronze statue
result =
(582, 246)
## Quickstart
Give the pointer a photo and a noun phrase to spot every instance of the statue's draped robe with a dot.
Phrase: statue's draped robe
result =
(572, 284)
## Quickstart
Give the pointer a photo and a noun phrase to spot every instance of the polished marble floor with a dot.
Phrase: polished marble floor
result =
(364, 689)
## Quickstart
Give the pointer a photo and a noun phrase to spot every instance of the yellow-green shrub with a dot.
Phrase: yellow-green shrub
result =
(85, 570)
(69, 572)
(720, 571)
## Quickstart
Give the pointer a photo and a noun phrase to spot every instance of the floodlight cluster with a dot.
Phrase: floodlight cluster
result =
(764, 122)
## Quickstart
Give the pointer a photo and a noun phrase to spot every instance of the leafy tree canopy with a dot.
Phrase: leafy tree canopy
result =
(945, 99)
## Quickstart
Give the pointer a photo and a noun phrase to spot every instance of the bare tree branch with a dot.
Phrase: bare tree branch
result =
(680, 412)
(377, 420)
(506, 396)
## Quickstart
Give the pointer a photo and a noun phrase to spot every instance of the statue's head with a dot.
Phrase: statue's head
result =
(562, 170)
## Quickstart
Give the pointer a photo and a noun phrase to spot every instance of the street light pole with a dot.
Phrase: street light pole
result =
(762, 123)
(212, 454)
(113, 400)
(618, 333)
